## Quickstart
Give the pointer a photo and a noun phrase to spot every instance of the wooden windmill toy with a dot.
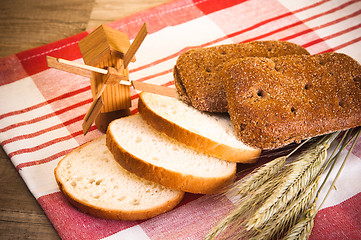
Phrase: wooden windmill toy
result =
(106, 53)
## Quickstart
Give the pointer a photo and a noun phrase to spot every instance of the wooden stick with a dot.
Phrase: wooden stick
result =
(90, 116)
(86, 70)
(153, 88)
(135, 45)
(73, 67)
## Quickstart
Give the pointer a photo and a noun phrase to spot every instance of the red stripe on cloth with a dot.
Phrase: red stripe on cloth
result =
(73, 224)
(34, 60)
(63, 96)
(338, 47)
(333, 35)
(303, 21)
(322, 26)
(257, 25)
(342, 221)
(44, 160)
(42, 131)
(208, 7)
(192, 220)
(54, 156)
(41, 146)
(134, 111)
(38, 119)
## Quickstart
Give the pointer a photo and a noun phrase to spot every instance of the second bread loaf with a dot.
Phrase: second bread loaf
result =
(274, 102)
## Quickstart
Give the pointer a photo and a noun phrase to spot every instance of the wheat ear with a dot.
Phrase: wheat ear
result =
(298, 175)
(274, 227)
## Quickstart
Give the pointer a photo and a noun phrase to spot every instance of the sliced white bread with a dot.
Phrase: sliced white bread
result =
(152, 155)
(96, 184)
(210, 133)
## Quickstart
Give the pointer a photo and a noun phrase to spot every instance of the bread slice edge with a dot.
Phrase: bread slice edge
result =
(193, 140)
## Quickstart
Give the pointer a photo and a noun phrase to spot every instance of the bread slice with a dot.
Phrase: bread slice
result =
(152, 155)
(210, 133)
(96, 184)
(196, 73)
(274, 102)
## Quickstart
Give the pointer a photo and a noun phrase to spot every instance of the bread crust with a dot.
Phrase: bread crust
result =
(194, 140)
(128, 215)
(166, 177)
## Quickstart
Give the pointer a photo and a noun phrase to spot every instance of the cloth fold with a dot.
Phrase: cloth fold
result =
(42, 109)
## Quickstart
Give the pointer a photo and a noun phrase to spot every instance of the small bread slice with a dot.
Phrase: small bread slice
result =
(152, 155)
(210, 133)
(96, 184)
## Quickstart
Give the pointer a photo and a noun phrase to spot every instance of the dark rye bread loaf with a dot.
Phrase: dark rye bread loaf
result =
(196, 71)
(273, 102)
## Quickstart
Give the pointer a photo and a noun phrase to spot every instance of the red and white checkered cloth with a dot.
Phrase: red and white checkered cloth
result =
(42, 109)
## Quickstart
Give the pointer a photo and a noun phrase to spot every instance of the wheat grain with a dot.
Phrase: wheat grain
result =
(256, 178)
(304, 226)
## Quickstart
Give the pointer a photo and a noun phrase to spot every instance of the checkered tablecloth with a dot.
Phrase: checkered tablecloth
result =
(41, 109)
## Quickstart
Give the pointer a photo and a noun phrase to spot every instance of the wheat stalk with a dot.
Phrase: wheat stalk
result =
(274, 196)
(302, 229)
(271, 188)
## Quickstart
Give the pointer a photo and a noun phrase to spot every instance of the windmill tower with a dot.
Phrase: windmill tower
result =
(103, 48)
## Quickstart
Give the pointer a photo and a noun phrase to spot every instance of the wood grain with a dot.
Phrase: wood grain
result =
(25, 24)
(105, 11)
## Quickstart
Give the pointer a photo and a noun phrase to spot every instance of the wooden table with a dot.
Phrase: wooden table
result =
(27, 24)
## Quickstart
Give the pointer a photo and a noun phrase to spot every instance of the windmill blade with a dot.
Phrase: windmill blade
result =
(73, 67)
(92, 113)
(135, 45)
(153, 88)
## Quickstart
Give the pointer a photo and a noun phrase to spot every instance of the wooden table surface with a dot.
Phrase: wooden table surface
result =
(25, 24)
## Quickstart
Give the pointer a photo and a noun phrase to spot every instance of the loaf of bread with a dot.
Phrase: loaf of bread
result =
(152, 155)
(210, 133)
(273, 102)
(96, 184)
(196, 71)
